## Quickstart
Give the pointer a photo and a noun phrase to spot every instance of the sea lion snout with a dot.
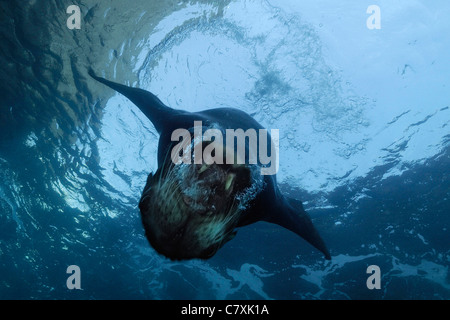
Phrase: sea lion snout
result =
(189, 211)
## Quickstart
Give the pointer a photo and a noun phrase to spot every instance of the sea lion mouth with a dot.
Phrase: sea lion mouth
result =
(191, 210)
(209, 189)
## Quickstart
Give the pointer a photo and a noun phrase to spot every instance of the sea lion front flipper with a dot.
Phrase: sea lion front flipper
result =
(156, 111)
(291, 215)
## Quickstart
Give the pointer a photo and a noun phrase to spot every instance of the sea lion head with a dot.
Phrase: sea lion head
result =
(191, 210)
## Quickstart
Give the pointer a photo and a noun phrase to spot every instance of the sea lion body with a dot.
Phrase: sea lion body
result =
(190, 210)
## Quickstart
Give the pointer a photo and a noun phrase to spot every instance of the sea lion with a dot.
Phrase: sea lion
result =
(190, 210)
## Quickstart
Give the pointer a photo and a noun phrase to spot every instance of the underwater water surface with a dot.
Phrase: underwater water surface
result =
(363, 116)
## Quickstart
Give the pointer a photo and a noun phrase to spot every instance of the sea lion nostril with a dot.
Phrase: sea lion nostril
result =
(187, 200)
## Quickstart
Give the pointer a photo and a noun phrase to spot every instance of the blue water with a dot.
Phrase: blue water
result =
(364, 142)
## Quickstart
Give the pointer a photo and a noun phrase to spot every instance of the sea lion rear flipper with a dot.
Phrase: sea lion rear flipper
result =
(291, 215)
(156, 111)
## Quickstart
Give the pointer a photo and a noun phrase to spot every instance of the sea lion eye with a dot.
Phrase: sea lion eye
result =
(208, 253)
